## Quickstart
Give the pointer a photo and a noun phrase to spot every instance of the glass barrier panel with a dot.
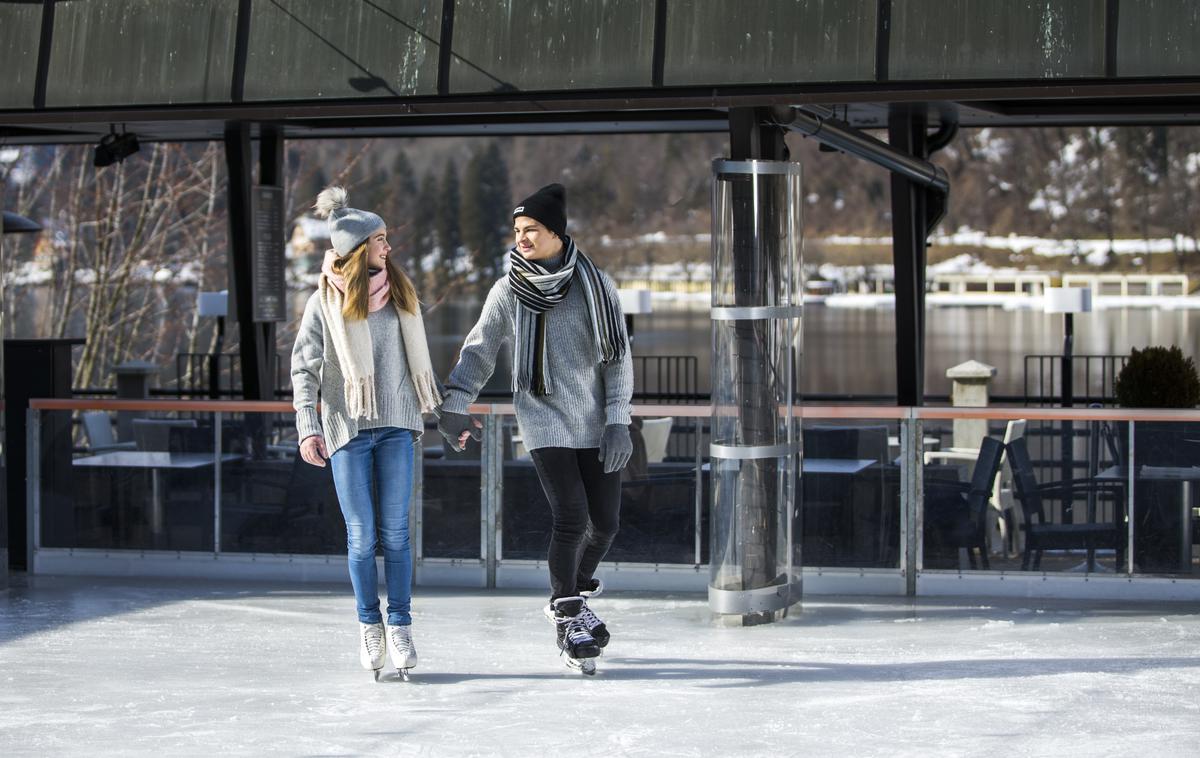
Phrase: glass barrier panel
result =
(271, 500)
(1166, 482)
(132, 480)
(850, 494)
(304, 49)
(133, 52)
(20, 33)
(1047, 496)
(1158, 38)
(551, 45)
(765, 41)
(451, 498)
(658, 512)
(659, 495)
(1022, 39)
(525, 512)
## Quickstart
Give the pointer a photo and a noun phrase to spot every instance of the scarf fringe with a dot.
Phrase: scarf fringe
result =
(429, 395)
(360, 398)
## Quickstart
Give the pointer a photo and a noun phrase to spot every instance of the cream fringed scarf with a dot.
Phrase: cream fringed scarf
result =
(352, 343)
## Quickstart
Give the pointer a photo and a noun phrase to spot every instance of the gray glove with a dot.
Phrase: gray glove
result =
(615, 447)
(452, 425)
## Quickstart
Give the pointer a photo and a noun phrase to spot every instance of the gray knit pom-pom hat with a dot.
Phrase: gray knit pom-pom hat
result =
(348, 227)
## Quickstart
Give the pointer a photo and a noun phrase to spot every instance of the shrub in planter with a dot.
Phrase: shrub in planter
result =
(1158, 377)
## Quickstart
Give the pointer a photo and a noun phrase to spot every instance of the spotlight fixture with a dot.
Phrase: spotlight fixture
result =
(114, 148)
(14, 224)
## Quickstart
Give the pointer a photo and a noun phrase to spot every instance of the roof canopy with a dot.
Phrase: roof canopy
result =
(175, 69)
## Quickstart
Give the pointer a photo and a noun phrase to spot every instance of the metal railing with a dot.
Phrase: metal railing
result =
(870, 524)
(1094, 379)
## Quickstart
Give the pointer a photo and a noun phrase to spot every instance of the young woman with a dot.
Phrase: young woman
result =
(361, 348)
(572, 382)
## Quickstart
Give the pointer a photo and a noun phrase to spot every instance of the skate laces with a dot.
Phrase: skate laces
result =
(576, 632)
(373, 640)
(589, 619)
(402, 639)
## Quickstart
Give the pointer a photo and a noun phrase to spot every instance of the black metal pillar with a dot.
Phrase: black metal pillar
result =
(257, 340)
(912, 215)
(33, 368)
(751, 136)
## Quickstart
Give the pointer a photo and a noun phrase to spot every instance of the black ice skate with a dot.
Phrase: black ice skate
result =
(594, 625)
(572, 633)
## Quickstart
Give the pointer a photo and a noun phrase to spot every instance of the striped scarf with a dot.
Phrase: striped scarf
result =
(538, 290)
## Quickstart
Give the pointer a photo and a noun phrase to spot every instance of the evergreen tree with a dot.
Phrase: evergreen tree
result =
(471, 214)
(485, 213)
(449, 234)
(425, 247)
(403, 184)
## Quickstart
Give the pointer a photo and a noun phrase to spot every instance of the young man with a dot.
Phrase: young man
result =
(572, 382)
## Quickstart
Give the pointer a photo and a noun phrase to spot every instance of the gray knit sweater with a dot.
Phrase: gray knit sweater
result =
(587, 395)
(315, 370)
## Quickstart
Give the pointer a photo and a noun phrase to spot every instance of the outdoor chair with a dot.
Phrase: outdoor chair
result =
(956, 513)
(165, 434)
(1042, 534)
(1002, 516)
(656, 432)
(97, 427)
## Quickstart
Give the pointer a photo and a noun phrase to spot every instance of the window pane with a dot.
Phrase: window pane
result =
(550, 44)
(365, 48)
(763, 41)
(984, 39)
(20, 30)
(122, 52)
(1158, 38)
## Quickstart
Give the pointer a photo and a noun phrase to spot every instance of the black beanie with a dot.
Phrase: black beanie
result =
(548, 206)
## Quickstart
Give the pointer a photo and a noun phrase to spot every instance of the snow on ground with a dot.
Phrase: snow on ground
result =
(132, 667)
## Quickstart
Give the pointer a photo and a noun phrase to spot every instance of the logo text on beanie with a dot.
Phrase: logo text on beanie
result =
(518, 209)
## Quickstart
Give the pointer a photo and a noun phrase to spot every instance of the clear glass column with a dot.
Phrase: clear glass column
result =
(756, 310)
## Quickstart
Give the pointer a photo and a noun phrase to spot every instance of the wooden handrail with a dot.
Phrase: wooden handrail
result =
(895, 413)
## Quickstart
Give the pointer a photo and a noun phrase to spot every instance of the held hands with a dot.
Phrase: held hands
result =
(615, 447)
(456, 427)
(313, 450)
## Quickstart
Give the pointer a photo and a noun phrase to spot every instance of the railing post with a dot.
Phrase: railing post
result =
(493, 475)
(33, 491)
(1130, 468)
(912, 495)
(416, 508)
(217, 421)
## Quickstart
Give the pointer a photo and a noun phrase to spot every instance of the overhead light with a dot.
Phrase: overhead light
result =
(114, 148)
(14, 224)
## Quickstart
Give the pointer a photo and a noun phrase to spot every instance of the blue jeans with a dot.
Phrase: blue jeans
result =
(373, 477)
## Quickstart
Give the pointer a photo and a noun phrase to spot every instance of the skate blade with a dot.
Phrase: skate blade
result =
(585, 666)
(378, 674)
(404, 675)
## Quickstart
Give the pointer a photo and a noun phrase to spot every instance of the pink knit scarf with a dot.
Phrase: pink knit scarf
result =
(378, 282)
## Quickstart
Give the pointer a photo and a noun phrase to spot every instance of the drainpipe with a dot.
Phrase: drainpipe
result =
(819, 123)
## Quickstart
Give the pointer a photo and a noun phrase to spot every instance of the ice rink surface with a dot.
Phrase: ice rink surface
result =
(98, 666)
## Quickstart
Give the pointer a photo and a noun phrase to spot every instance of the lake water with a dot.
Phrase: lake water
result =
(851, 351)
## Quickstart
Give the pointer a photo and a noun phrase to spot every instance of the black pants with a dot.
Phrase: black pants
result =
(584, 505)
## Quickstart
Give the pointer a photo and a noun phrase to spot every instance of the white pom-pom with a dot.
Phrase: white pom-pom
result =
(330, 199)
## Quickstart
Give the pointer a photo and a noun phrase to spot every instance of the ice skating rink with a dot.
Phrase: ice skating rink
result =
(124, 667)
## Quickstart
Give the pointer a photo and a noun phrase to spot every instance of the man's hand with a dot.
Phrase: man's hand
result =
(313, 451)
(615, 447)
(457, 427)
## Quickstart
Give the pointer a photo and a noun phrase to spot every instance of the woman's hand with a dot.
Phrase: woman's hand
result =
(313, 451)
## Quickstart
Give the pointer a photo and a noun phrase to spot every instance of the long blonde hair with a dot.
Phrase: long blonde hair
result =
(353, 268)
